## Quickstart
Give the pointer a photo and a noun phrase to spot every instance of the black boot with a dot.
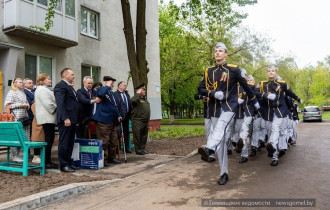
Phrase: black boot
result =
(274, 163)
(223, 179)
(243, 160)
(253, 152)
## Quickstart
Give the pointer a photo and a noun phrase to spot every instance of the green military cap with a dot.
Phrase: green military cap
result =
(141, 86)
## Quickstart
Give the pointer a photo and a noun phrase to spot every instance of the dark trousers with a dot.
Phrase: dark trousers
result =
(65, 144)
(108, 133)
(49, 130)
(125, 123)
(140, 134)
(82, 130)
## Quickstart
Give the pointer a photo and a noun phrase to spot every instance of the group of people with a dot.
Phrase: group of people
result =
(235, 110)
(72, 111)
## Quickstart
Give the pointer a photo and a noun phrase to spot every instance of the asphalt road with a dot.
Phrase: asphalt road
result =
(303, 173)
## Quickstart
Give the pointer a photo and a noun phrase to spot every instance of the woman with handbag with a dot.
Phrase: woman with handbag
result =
(16, 98)
(45, 112)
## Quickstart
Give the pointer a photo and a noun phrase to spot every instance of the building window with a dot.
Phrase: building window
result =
(92, 71)
(43, 2)
(70, 8)
(89, 23)
(35, 65)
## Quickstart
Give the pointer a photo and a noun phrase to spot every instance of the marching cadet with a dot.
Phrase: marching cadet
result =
(273, 92)
(248, 108)
(140, 119)
(211, 115)
(257, 137)
(224, 89)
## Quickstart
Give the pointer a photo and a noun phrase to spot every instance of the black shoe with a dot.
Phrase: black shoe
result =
(262, 143)
(211, 159)
(281, 153)
(115, 161)
(67, 169)
(229, 152)
(223, 179)
(106, 165)
(290, 140)
(139, 153)
(243, 160)
(253, 152)
(51, 165)
(128, 151)
(240, 144)
(234, 144)
(145, 152)
(270, 149)
(74, 167)
(204, 153)
(274, 163)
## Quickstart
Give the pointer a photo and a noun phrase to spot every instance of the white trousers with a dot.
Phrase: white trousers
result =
(217, 141)
(256, 132)
(244, 132)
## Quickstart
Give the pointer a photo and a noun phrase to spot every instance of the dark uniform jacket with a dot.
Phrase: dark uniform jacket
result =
(240, 112)
(248, 105)
(277, 106)
(124, 112)
(210, 109)
(141, 108)
(225, 80)
(260, 112)
(106, 111)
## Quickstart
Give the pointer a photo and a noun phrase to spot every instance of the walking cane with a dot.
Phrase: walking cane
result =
(122, 136)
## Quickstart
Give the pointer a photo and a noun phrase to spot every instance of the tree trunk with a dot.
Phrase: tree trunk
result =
(136, 59)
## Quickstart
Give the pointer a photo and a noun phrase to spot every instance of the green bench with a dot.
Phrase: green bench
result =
(12, 134)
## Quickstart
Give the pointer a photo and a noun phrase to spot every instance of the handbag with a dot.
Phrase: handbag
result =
(25, 121)
(6, 116)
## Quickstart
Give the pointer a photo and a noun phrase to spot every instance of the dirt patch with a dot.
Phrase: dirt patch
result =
(14, 185)
(180, 147)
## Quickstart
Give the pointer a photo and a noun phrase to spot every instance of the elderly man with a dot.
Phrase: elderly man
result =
(87, 98)
(225, 90)
(106, 117)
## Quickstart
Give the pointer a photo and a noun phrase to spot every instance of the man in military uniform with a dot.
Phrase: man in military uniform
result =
(140, 119)
(224, 88)
(273, 92)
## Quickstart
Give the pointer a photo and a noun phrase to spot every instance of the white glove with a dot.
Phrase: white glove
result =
(257, 105)
(218, 95)
(300, 101)
(271, 96)
(297, 122)
(240, 101)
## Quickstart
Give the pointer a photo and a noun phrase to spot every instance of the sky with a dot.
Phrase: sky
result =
(297, 27)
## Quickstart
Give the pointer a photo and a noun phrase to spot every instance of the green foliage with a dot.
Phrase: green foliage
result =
(176, 132)
(189, 121)
(49, 17)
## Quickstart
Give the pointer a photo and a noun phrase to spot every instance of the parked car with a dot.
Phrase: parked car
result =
(312, 113)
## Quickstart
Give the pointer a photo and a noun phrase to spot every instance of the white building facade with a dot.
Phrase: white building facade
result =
(87, 36)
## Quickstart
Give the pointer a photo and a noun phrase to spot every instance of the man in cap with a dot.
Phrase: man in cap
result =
(106, 116)
(273, 92)
(140, 119)
(224, 88)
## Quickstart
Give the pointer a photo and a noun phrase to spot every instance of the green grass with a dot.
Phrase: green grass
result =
(194, 121)
(176, 132)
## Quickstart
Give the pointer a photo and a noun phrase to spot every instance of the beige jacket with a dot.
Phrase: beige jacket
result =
(45, 105)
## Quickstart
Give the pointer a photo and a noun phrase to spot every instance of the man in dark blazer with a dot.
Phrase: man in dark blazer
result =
(87, 98)
(67, 117)
(125, 107)
(106, 117)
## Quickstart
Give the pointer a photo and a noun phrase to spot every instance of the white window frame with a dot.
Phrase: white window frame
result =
(38, 66)
(88, 23)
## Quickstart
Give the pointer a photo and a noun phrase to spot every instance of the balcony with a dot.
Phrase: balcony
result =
(19, 15)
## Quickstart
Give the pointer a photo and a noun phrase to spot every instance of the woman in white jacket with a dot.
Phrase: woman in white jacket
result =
(45, 108)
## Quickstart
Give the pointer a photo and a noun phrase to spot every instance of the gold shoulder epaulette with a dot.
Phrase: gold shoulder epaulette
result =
(232, 65)
(281, 81)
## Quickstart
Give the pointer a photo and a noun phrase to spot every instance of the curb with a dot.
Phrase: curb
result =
(50, 196)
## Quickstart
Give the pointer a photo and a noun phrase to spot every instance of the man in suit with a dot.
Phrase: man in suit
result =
(67, 117)
(106, 117)
(124, 103)
(87, 98)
